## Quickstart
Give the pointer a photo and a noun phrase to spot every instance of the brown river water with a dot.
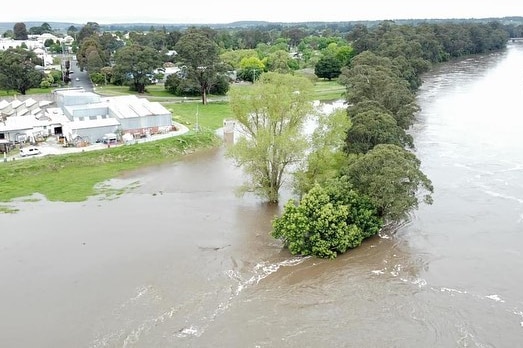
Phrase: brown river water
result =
(181, 261)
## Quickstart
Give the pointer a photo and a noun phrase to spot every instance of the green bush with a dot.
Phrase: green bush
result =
(327, 222)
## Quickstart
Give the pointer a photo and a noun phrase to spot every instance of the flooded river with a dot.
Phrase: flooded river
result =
(180, 261)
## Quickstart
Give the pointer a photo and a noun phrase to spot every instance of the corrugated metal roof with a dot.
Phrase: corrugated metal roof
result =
(4, 104)
(132, 106)
(21, 123)
(104, 122)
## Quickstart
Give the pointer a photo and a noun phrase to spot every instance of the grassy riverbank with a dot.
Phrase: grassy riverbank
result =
(74, 177)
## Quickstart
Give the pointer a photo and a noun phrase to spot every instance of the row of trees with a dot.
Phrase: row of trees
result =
(250, 51)
(359, 174)
(20, 31)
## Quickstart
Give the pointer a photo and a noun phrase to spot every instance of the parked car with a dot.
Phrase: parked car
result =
(29, 151)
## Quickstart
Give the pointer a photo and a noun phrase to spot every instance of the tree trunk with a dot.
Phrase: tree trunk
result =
(204, 97)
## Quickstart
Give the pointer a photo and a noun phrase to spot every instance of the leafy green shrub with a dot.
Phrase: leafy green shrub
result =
(328, 221)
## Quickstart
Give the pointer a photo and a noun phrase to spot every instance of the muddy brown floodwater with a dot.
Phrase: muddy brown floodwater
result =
(180, 261)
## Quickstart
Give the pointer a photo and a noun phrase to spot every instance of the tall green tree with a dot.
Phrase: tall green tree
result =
(392, 179)
(90, 55)
(371, 128)
(200, 55)
(72, 31)
(88, 30)
(271, 115)
(17, 70)
(328, 67)
(20, 31)
(374, 78)
(137, 64)
(326, 155)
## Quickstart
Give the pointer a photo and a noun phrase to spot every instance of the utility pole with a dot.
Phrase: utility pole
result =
(197, 126)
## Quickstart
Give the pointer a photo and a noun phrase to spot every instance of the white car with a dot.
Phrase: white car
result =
(29, 151)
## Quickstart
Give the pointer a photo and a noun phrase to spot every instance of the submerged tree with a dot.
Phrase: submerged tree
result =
(326, 156)
(392, 179)
(329, 220)
(271, 114)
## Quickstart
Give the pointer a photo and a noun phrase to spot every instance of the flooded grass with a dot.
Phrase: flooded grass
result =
(74, 177)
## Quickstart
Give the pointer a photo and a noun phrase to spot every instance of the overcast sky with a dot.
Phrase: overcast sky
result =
(215, 11)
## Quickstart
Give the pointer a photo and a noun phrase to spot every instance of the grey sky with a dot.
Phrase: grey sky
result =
(213, 11)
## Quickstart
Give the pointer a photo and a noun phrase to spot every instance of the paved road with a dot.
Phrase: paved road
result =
(52, 147)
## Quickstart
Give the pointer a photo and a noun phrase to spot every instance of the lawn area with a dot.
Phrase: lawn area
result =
(153, 93)
(32, 91)
(51, 175)
(325, 90)
(209, 116)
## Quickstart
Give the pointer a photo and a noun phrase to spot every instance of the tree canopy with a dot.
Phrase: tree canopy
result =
(271, 115)
(325, 154)
(17, 70)
(391, 177)
(371, 128)
(199, 54)
(328, 221)
(136, 64)
(20, 31)
(328, 67)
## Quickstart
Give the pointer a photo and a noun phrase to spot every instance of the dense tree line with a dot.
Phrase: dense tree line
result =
(250, 50)
(375, 162)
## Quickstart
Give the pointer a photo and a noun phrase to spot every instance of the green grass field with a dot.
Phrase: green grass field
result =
(51, 175)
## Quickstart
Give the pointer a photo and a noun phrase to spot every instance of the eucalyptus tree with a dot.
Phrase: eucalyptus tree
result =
(392, 179)
(17, 70)
(374, 78)
(136, 64)
(271, 115)
(91, 56)
(88, 30)
(198, 54)
(371, 128)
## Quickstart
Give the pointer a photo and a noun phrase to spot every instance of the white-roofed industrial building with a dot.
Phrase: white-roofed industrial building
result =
(76, 114)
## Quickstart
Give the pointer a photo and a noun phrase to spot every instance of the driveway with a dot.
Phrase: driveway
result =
(52, 147)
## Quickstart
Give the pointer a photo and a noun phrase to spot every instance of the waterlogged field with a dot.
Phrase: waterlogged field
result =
(73, 177)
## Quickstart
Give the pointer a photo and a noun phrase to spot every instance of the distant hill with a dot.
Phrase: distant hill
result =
(63, 26)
